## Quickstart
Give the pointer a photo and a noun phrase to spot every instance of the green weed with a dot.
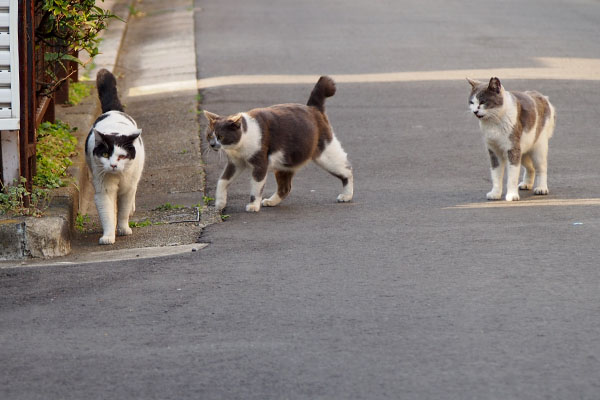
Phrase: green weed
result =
(77, 92)
(13, 199)
(81, 221)
(168, 207)
(206, 200)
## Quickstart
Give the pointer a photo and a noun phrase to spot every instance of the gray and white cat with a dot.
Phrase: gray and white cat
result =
(282, 138)
(115, 156)
(516, 127)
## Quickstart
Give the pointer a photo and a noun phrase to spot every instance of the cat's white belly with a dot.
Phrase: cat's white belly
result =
(527, 140)
(277, 162)
(499, 139)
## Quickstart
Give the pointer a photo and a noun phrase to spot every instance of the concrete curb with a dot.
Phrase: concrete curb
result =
(50, 236)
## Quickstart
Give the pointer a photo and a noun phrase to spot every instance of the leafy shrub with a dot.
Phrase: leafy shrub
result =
(56, 144)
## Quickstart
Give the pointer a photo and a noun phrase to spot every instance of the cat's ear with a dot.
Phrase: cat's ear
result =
(210, 117)
(236, 120)
(99, 137)
(495, 85)
(474, 83)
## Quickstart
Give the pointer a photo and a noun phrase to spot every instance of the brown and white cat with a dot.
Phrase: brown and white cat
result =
(516, 127)
(282, 138)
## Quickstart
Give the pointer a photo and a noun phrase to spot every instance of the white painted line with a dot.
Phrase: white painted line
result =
(167, 87)
(528, 203)
(111, 256)
(549, 68)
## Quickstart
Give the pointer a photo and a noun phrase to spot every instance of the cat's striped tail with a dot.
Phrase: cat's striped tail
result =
(107, 91)
(324, 88)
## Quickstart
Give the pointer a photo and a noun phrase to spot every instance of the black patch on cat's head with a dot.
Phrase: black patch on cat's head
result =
(495, 85)
(105, 143)
(489, 95)
(227, 130)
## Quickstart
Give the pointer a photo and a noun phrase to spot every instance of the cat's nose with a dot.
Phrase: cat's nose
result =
(113, 166)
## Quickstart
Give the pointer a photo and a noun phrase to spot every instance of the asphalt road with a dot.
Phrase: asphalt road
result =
(416, 290)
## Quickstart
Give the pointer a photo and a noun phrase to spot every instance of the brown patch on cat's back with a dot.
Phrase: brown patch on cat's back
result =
(542, 109)
(289, 128)
(527, 113)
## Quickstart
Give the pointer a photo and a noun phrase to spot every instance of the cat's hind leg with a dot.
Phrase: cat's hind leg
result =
(335, 161)
(529, 174)
(539, 157)
(284, 185)
(125, 206)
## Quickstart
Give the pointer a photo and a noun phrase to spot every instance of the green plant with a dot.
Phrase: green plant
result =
(68, 26)
(134, 224)
(55, 145)
(77, 92)
(88, 69)
(206, 200)
(224, 217)
(80, 221)
(168, 206)
(13, 199)
(141, 224)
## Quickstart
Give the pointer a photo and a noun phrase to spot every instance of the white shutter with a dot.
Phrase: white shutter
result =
(9, 65)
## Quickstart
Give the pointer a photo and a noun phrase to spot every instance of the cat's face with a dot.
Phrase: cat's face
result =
(223, 132)
(485, 100)
(114, 152)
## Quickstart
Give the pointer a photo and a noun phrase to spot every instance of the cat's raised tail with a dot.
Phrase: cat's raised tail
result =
(107, 91)
(324, 88)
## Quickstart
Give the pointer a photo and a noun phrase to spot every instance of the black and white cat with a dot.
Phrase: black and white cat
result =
(282, 138)
(115, 155)
(516, 127)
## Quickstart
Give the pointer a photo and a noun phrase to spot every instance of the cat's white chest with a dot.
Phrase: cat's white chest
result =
(496, 136)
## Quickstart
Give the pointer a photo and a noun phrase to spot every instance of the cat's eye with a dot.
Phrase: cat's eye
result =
(471, 102)
(121, 158)
(105, 155)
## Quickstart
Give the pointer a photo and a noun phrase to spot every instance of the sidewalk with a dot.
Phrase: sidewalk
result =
(155, 66)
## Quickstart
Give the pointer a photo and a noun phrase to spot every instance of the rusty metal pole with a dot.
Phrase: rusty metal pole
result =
(27, 135)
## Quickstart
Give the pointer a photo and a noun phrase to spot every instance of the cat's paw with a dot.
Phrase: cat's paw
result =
(269, 203)
(344, 198)
(220, 205)
(525, 186)
(124, 231)
(540, 190)
(493, 195)
(253, 207)
(107, 239)
(512, 197)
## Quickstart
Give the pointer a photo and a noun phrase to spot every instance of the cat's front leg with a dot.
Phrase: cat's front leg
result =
(514, 169)
(230, 172)
(497, 170)
(257, 184)
(105, 203)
